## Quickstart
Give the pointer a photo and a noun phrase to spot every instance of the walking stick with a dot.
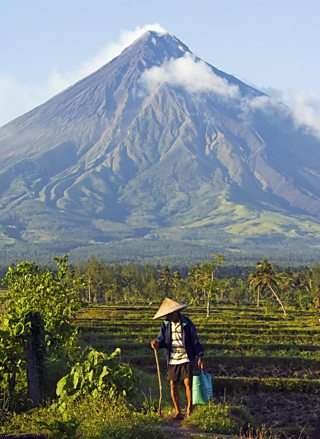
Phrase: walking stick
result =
(159, 379)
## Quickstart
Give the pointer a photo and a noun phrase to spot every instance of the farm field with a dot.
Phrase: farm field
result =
(265, 362)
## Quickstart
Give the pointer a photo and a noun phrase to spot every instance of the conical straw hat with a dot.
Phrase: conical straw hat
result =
(168, 306)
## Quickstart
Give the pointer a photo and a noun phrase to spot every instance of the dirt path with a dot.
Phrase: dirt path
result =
(176, 429)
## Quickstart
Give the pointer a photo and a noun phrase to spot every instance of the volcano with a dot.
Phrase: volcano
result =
(159, 154)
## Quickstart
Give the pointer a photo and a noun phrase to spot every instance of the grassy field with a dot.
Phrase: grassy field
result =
(259, 360)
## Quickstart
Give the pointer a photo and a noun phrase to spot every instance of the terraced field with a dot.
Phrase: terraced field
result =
(267, 363)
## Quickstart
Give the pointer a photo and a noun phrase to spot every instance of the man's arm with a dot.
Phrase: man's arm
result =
(197, 347)
(159, 343)
(200, 363)
(154, 344)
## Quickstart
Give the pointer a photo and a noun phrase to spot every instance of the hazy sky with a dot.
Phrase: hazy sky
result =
(47, 45)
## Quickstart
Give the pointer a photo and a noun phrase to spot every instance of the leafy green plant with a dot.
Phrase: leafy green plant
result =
(55, 295)
(99, 373)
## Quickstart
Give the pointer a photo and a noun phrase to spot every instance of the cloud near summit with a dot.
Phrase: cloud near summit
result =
(194, 75)
(306, 110)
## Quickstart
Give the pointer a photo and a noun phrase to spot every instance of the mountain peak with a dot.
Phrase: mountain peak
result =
(162, 44)
(157, 36)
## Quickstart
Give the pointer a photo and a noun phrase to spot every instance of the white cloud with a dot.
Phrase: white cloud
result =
(194, 75)
(303, 107)
(306, 110)
(260, 103)
(17, 98)
(264, 103)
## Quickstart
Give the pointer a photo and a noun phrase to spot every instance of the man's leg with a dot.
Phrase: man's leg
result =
(188, 386)
(174, 388)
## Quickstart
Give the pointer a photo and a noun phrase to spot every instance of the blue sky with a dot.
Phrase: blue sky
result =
(48, 44)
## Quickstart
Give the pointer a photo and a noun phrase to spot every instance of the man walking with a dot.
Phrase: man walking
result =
(179, 337)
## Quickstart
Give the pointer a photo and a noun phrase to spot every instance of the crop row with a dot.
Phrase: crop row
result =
(291, 350)
(212, 362)
(122, 320)
(225, 385)
(151, 330)
(218, 314)
(218, 318)
(249, 343)
(270, 356)
(221, 370)
(208, 325)
(228, 341)
(241, 311)
(203, 322)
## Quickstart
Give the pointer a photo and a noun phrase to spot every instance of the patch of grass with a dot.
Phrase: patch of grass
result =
(104, 420)
(92, 418)
(262, 433)
(148, 393)
(19, 423)
(220, 418)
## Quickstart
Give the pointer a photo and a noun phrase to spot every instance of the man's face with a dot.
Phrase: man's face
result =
(173, 317)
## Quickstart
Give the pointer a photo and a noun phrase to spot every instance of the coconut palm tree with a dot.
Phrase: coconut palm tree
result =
(176, 283)
(165, 279)
(255, 284)
(203, 278)
(311, 285)
(195, 282)
(265, 278)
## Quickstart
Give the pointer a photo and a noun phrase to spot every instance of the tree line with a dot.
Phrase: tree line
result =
(205, 283)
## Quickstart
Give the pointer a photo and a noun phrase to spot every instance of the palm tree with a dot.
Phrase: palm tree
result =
(176, 282)
(208, 278)
(165, 279)
(255, 284)
(195, 281)
(265, 278)
(311, 285)
(204, 278)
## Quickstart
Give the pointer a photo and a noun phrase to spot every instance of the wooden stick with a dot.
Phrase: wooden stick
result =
(159, 379)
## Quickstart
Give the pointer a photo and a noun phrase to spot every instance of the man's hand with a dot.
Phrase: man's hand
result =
(154, 344)
(200, 363)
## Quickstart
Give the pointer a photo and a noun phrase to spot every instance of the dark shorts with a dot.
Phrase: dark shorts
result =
(176, 372)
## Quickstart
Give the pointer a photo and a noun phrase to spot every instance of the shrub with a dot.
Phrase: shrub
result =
(99, 373)
(39, 307)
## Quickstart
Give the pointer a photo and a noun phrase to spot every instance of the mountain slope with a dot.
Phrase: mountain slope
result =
(110, 159)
